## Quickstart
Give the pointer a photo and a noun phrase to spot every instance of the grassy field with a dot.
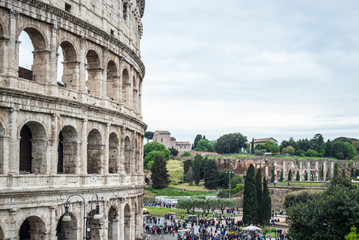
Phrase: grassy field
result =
(159, 211)
(172, 192)
(192, 188)
(175, 170)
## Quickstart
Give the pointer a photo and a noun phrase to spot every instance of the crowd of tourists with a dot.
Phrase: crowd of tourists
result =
(206, 228)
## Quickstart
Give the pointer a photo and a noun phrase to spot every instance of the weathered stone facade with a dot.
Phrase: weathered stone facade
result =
(84, 136)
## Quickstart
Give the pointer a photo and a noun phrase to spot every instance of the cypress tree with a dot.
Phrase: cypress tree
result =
(252, 146)
(210, 174)
(297, 178)
(266, 203)
(281, 176)
(250, 198)
(259, 196)
(290, 175)
(197, 169)
(160, 176)
(305, 176)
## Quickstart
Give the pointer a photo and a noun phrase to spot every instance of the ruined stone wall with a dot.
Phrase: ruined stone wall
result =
(82, 134)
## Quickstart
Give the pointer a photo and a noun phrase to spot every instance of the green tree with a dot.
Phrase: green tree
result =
(266, 203)
(328, 217)
(231, 143)
(151, 156)
(197, 169)
(149, 135)
(353, 234)
(173, 151)
(252, 146)
(272, 147)
(250, 215)
(186, 165)
(204, 145)
(297, 178)
(223, 203)
(210, 174)
(196, 140)
(356, 172)
(288, 150)
(156, 146)
(185, 203)
(281, 179)
(272, 179)
(290, 175)
(259, 196)
(160, 176)
(223, 178)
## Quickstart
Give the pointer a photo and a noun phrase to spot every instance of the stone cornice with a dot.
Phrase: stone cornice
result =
(79, 22)
(48, 98)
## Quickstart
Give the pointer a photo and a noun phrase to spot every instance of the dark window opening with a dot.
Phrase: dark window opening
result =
(26, 73)
(67, 7)
(60, 163)
(125, 11)
(112, 32)
(25, 150)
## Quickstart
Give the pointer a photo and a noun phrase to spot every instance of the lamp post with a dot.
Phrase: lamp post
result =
(229, 183)
(87, 224)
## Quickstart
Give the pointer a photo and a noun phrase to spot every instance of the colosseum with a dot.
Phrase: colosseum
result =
(71, 141)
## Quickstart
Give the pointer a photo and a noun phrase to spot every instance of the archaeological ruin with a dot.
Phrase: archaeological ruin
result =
(71, 129)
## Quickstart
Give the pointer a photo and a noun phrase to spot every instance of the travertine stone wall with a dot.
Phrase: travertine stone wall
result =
(81, 135)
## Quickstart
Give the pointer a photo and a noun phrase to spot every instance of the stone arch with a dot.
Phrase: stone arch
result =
(95, 224)
(112, 223)
(41, 56)
(113, 153)
(33, 146)
(93, 68)
(2, 147)
(66, 230)
(67, 150)
(127, 222)
(1, 231)
(32, 228)
(127, 155)
(94, 152)
(70, 65)
(126, 85)
(134, 93)
(111, 81)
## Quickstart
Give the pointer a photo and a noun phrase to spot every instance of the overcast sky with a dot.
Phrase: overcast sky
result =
(269, 68)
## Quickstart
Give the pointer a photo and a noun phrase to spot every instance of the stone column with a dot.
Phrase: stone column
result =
(106, 154)
(309, 173)
(53, 223)
(300, 171)
(332, 170)
(116, 229)
(53, 56)
(12, 46)
(284, 170)
(4, 42)
(266, 170)
(121, 163)
(122, 221)
(293, 175)
(317, 170)
(325, 170)
(14, 146)
(84, 147)
(53, 154)
(82, 57)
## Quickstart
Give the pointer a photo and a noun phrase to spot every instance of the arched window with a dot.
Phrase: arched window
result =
(127, 155)
(67, 151)
(113, 154)
(95, 226)
(94, 147)
(112, 215)
(67, 66)
(66, 229)
(33, 57)
(112, 82)
(93, 68)
(33, 145)
(125, 11)
(32, 228)
(127, 214)
(126, 85)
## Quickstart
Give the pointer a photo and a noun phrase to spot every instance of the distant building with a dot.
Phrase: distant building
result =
(263, 141)
(165, 138)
